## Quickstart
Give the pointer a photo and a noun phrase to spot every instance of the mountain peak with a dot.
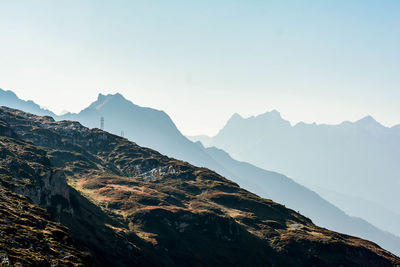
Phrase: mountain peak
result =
(368, 121)
(368, 118)
(270, 114)
(235, 117)
(115, 99)
(7, 93)
(10, 99)
(102, 97)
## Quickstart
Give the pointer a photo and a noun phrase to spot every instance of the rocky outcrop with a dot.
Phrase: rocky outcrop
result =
(28, 237)
(27, 170)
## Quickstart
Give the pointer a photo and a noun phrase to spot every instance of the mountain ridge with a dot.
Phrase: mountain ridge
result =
(154, 202)
(359, 155)
(8, 97)
(178, 146)
(277, 115)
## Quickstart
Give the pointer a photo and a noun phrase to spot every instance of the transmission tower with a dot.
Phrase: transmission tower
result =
(102, 123)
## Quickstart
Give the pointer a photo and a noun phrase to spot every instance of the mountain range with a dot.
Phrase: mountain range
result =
(120, 204)
(154, 129)
(354, 165)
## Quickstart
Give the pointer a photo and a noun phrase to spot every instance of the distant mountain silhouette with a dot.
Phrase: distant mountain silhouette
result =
(9, 98)
(145, 126)
(205, 140)
(358, 160)
(154, 129)
(285, 191)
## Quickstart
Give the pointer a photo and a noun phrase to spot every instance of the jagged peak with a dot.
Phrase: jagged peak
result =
(236, 116)
(270, 114)
(200, 144)
(368, 121)
(367, 118)
(102, 97)
(8, 93)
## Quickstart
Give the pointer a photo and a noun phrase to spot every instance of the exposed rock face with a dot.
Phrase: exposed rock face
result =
(130, 205)
(29, 172)
(28, 237)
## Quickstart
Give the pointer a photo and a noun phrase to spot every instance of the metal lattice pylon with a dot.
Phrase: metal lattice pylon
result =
(102, 123)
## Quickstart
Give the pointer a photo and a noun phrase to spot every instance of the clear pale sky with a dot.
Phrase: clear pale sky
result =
(202, 61)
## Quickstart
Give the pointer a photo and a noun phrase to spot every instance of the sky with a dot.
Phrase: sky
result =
(202, 61)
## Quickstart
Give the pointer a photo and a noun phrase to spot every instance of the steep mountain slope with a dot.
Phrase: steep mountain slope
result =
(168, 212)
(285, 191)
(205, 140)
(143, 123)
(362, 208)
(155, 129)
(28, 236)
(147, 127)
(360, 159)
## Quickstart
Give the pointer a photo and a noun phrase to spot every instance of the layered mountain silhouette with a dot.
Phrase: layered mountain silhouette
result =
(154, 129)
(9, 98)
(355, 165)
(147, 127)
(284, 190)
(127, 205)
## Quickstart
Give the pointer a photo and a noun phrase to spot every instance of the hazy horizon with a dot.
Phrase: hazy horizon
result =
(292, 123)
(323, 62)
